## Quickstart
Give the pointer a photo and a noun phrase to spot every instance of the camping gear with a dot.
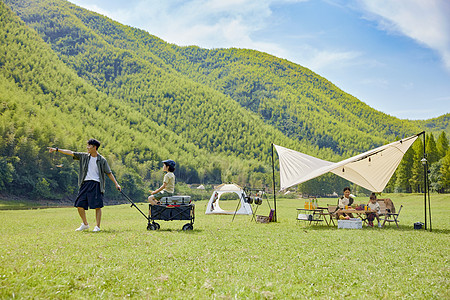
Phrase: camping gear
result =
(418, 225)
(354, 223)
(213, 207)
(171, 213)
(262, 219)
(256, 196)
(389, 217)
(185, 210)
(371, 170)
(310, 215)
(175, 200)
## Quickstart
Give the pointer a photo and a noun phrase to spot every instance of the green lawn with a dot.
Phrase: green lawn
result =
(41, 256)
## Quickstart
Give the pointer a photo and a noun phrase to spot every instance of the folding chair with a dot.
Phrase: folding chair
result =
(391, 217)
(331, 213)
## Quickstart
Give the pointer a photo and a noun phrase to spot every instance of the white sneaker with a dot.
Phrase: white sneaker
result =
(82, 227)
(379, 225)
(96, 229)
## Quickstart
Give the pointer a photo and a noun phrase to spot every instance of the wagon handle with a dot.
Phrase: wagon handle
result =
(133, 204)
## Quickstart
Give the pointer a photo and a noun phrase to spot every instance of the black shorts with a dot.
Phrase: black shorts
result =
(89, 195)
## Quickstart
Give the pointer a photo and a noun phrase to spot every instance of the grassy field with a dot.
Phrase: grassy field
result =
(41, 256)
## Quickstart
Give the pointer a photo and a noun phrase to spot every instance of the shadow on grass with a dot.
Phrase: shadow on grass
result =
(144, 229)
(385, 228)
(24, 207)
(178, 230)
(411, 228)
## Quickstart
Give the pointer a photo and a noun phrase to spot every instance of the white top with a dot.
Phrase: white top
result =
(343, 202)
(92, 173)
(169, 178)
(374, 207)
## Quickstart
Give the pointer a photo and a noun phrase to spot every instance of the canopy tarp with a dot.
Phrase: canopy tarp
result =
(371, 170)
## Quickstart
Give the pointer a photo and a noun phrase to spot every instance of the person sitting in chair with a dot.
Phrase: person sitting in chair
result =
(374, 210)
(344, 202)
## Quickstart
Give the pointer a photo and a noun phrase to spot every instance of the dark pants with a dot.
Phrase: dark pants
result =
(89, 195)
(371, 217)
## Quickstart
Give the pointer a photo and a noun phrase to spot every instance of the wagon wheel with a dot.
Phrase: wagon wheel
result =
(187, 226)
(157, 227)
(150, 226)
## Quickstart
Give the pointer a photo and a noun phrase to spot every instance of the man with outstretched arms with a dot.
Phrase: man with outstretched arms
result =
(91, 181)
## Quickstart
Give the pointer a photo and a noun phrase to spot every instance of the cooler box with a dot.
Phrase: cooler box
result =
(175, 200)
(350, 224)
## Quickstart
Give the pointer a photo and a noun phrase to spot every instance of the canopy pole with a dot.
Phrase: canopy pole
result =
(424, 159)
(426, 187)
(429, 200)
(274, 189)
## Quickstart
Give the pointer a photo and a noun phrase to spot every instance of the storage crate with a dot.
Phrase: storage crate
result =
(169, 213)
(350, 224)
(262, 219)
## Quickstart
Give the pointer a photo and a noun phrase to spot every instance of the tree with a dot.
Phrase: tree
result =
(6, 171)
(404, 171)
(42, 189)
(431, 150)
(442, 144)
(435, 177)
(416, 176)
(445, 171)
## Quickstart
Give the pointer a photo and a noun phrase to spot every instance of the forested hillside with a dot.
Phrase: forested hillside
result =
(45, 103)
(435, 125)
(68, 74)
(291, 98)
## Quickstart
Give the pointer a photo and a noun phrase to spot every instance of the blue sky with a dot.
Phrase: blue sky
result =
(393, 55)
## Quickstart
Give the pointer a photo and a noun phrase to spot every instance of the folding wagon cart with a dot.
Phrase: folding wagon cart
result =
(170, 209)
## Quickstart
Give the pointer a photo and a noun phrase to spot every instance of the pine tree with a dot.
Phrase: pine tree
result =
(404, 171)
(442, 144)
(416, 177)
(445, 172)
(431, 150)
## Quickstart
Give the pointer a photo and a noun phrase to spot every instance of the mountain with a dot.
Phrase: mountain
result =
(69, 74)
(435, 125)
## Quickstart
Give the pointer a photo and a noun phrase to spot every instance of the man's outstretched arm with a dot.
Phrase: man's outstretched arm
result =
(63, 151)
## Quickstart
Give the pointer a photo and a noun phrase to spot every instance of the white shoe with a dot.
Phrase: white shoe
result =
(96, 229)
(379, 225)
(82, 227)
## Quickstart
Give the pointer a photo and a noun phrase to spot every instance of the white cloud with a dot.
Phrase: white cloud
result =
(320, 60)
(379, 83)
(323, 59)
(425, 21)
(205, 23)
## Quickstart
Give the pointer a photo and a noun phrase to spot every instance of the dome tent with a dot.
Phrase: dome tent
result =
(213, 206)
